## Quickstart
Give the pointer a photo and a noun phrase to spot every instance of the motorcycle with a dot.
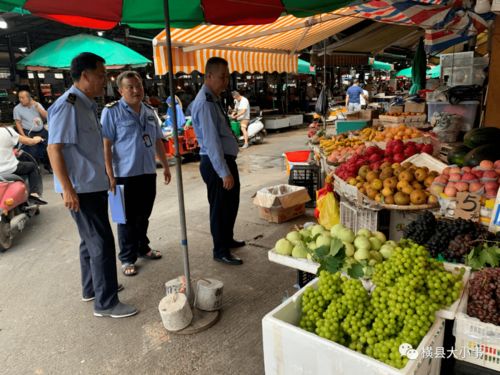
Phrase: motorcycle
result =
(15, 208)
(256, 132)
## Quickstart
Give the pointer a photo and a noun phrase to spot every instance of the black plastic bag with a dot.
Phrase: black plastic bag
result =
(322, 103)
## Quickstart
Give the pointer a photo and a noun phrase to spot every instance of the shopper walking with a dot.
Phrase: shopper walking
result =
(353, 97)
(76, 153)
(218, 150)
(132, 139)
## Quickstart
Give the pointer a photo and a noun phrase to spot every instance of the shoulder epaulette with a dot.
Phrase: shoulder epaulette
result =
(112, 104)
(71, 98)
(209, 97)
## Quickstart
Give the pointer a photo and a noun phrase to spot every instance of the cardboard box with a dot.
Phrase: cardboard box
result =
(281, 203)
(415, 107)
(396, 108)
(368, 114)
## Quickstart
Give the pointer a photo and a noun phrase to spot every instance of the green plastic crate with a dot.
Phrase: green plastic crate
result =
(343, 126)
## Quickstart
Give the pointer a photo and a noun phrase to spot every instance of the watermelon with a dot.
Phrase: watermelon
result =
(457, 154)
(486, 152)
(482, 136)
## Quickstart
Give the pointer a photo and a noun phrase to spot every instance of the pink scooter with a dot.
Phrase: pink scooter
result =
(15, 210)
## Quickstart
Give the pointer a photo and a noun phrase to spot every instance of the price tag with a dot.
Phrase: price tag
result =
(468, 206)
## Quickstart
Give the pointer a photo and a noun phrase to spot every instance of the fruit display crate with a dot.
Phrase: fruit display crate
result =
(352, 194)
(479, 341)
(301, 264)
(309, 266)
(290, 350)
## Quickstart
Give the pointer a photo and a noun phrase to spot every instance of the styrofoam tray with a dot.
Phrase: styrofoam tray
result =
(302, 264)
(290, 350)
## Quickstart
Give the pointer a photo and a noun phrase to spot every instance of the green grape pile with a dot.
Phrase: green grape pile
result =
(410, 287)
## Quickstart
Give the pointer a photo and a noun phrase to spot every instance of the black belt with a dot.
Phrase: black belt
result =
(226, 156)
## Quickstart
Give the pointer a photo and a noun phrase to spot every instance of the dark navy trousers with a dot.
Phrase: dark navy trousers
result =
(139, 194)
(224, 203)
(97, 250)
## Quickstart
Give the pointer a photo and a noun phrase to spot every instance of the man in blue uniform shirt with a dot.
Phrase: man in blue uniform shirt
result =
(132, 137)
(218, 150)
(76, 154)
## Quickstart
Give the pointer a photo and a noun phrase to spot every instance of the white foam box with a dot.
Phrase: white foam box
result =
(301, 264)
(290, 350)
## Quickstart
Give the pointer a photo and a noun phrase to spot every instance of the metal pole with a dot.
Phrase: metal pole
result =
(324, 81)
(178, 168)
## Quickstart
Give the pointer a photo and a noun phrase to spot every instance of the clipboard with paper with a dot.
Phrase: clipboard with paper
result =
(117, 205)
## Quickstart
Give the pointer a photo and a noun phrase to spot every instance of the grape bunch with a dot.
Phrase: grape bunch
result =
(484, 296)
(421, 229)
(438, 236)
(459, 247)
(409, 288)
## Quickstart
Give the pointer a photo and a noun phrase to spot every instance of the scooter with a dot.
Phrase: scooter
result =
(15, 208)
(256, 132)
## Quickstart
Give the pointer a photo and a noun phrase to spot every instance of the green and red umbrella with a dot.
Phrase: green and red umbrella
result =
(148, 14)
(105, 15)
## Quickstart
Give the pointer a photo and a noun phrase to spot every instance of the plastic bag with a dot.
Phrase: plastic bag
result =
(328, 210)
(322, 103)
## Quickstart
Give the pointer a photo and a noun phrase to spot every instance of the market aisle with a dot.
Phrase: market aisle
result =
(46, 329)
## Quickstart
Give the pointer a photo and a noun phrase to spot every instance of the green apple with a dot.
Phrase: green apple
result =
(376, 243)
(316, 229)
(349, 249)
(336, 229)
(364, 232)
(376, 256)
(346, 235)
(323, 240)
(283, 247)
(294, 237)
(381, 236)
(392, 243)
(362, 243)
(299, 251)
(361, 254)
(386, 250)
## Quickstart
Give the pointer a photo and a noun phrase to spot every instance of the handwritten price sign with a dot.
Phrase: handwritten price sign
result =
(468, 206)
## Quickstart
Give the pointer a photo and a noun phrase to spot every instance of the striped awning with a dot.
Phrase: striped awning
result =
(249, 48)
(239, 61)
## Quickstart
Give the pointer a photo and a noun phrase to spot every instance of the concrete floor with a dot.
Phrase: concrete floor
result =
(46, 329)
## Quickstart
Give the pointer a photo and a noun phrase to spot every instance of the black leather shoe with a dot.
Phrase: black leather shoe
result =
(235, 244)
(229, 259)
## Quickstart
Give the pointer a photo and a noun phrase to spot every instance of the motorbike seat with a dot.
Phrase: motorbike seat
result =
(10, 177)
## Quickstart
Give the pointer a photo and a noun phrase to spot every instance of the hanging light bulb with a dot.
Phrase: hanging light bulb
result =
(100, 33)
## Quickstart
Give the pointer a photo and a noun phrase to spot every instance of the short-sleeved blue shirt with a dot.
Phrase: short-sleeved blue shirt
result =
(354, 93)
(213, 131)
(134, 137)
(73, 122)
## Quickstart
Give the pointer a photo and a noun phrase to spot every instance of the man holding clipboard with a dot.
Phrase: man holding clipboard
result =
(132, 138)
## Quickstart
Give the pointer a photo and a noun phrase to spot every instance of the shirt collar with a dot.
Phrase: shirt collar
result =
(216, 98)
(124, 104)
(90, 103)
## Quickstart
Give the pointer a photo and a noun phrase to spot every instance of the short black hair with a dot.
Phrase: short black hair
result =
(24, 90)
(84, 61)
(214, 63)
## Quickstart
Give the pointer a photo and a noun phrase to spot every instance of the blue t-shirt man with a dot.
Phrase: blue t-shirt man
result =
(353, 97)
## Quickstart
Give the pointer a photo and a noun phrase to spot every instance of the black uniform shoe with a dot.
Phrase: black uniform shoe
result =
(229, 259)
(235, 244)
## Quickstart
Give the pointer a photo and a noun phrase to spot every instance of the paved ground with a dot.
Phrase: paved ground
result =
(46, 329)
